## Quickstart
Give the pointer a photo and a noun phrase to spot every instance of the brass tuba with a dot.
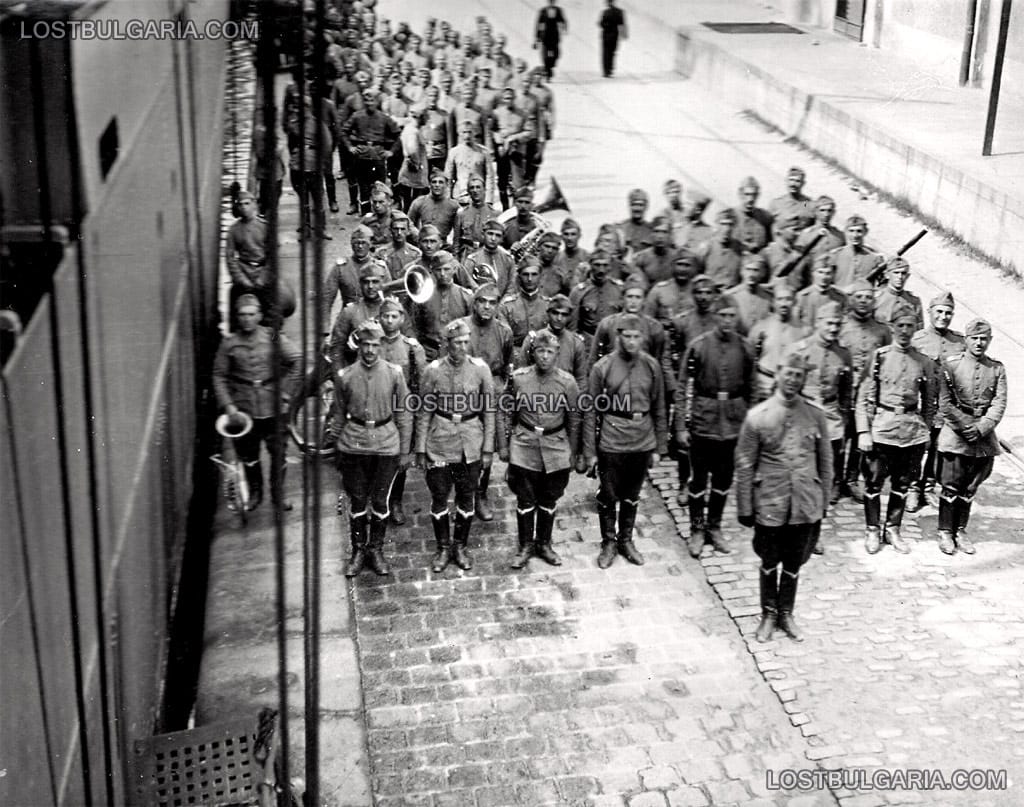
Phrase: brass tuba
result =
(552, 199)
(233, 426)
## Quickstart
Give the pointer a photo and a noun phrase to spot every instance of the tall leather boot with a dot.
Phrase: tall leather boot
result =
(872, 517)
(545, 526)
(894, 521)
(627, 518)
(716, 505)
(353, 197)
(357, 530)
(947, 521)
(460, 542)
(769, 604)
(787, 598)
(525, 521)
(254, 476)
(277, 493)
(375, 556)
(484, 511)
(395, 499)
(443, 537)
(963, 515)
(695, 543)
(606, 520)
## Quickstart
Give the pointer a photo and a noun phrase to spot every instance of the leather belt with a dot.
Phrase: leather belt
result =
(976, 412)
(626, 415)
(457, 417)
(722, 396)
(250, 382)
(370, 424)
(899, 410)
(540, 430)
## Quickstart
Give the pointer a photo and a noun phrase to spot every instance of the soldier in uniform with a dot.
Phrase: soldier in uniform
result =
(696, 232)
(399, 253)
(862, 335)
(343, 277)
(690, 323)
(895, 293)
(524, 308)
(829, 384)
(672, 297)
(821, 292)
(594, 298)
(245, 251)
(654, 264)
(523, 222)
(855, 261)
(770, 340)
(491, 254)
(675, 213)
(374, 441)
(783, 475)
(490, 339)
(632, 304)
(468, 235)
(781, 253)
(449, 301)
(794, 201)
(973, 395)
(722, 255)
(245, 370)
(753, 223)
(628, 440)
(753, 300)
(637, 232)
(832, 239)
(380, 215)
(712, 394)
(543, 434)
(552, 280)
(435, 127)
(455, 441)
(370, 135)
(404, 352)
(570, 355)
(572, 258)
(371, 278)
(896, 405)
(938, 342)
(436, 208)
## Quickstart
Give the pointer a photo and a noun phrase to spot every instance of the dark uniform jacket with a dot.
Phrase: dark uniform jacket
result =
(366, 396)
(571, 357)
(243, 371)
(655, 266)
(456, 422)
(668, 299)
(854, 264)
(809, 300)
(783, 464)
(898, 398)
(770, 340)
(753, 229)
(607, 332)
(501, 261)
(637, 235)
(446, 304)
(635, 382)
(972, 391)
(938, 347)
(343, 279)
(543, 437)
(492, 343)
(829, 384)
(523, 313)
(246, 254)
(862, 337)
(720, 368)
(886, 300)
(592, 303)
(721, 262)
(685, 328)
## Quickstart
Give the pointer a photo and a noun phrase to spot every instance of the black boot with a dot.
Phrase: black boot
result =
(357, 528)
(353, 198)
(627, 518)
(872, 516)
(443, 537)
(395, 502)
(894, 521)
(254, 476)
(716, 506)
(524, 530)
(787, 598)
(695, 543)
(545, 526)
(606, 520)
(277, 493)
(963, 515)
(375, 557)
(769, 604)
(460, 540)
(817, 548)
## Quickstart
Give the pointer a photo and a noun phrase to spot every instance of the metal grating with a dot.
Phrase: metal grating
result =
(751, 28)
(210, 765)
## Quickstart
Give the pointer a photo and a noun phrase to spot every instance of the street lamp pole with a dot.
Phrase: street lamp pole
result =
(997, 78)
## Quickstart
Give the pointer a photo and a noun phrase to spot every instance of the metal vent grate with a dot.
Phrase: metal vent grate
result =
(751, 28)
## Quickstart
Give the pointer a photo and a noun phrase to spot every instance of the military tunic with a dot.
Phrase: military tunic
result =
(809, 300)
(441, 213)
(397, 259)
(343, 279)
(833, 240)
(654, 265)
(720, 367)
(456, 421)
(543, 438)
(636, 235)
(243, 371)
(973, 391)
(351, 317)
(782, 207)
(770, 340)
(901, 410)
(854, 263)
(571, 266)
(668, 299)
(571, 356)
(862, 336)
(938, 346)
(886, 300)
(829, 384)
(779, 255)
(607, 331)
(468, 235)
(501, 261)
(429, 318)
(591, 303)
(685, 328)
(491, 342)
(722, 262)
(753, 229)
(365, 398)
(245, 251)
(752, 305)
(523, 313)
(643, 427)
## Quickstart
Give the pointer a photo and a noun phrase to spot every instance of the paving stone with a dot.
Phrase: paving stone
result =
(687, 797)
(651, 799)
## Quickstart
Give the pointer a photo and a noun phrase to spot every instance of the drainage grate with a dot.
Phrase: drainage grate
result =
(751, 28)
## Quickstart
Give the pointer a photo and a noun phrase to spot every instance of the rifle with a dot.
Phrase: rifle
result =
(878, 271)
(793, 262)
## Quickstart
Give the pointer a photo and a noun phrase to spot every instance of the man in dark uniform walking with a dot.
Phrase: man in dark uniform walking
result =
(551, 27)
(543, 436)
(373, 444)
(629, 440)
(613, 27)
(784, 446)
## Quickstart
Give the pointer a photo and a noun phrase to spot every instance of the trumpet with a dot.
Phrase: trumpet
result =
(415, 284)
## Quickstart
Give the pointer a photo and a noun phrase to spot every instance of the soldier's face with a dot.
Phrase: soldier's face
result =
(475, 187)
(458, 347)
(599, 270)
(790, 381)
(380, 203)
(360, 247)
(548, 250)
(571, 237)
(795, 183)
(903, 330)
(630, 341)
(446, 273)
(557, 319)
(637, 208)
(855, 234)
(703, 295)
(399, 230)
(247, 208)
(824, 274)
(248, 318)
(391, 321)
(825, 213)
(784, 304)
(369, 350)
(484, 308)
(492, 238)
(437, 186)
(632, 300)
(941, 316)
(371, 287)
(978, 343)
(466, 134)
(828, 328)
(524, 205)
(789, 233)
(674, 196)
(661, 235)
(748, 198)
(430, 244)
(682, 271)
(863, 303)
(727, 320)
(529, 278)
(544, 357)
(725, 227)
(897, 277)
(751, 274)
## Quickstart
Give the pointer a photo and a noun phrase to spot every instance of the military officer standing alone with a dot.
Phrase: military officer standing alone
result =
(455, 440)
(628, 440)
(543, 435)
(784, 446)
(895, 409)
(373, 444)
(973, 395)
